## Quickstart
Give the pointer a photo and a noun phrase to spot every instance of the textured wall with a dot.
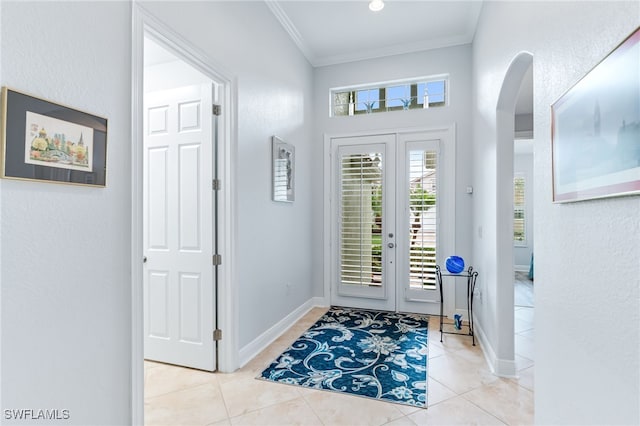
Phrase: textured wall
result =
(66, 298)
(587, 327)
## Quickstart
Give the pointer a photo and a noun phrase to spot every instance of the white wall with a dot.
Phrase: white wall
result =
(274, 89)
(455, 61)
(523, 165)
(65, 267)
(170, 75)
(587, 289)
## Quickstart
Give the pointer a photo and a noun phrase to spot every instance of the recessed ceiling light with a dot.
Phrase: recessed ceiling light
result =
(376, 5)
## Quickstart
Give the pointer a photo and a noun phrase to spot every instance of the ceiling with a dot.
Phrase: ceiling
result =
(332, 32)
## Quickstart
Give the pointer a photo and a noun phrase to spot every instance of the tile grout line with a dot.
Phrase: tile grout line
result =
(273, 405)
(444, 386)
(148, 398)
(481, 408)
(311, 408)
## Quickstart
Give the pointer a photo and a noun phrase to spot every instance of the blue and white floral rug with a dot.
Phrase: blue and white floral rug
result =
(381, 355)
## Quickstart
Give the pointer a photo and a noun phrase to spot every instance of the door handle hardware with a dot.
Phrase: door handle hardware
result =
(391, 245)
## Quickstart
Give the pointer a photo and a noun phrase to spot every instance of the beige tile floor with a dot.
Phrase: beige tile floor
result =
(461, 391)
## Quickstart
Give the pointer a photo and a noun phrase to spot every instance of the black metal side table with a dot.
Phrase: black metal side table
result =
(471, 276)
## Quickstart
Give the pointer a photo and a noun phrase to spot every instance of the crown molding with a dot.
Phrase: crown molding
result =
(391, 50)
(290, 28)
(397, 49)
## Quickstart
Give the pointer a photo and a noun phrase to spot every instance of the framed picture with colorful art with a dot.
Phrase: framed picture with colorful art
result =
(595, 130)
(46, 141)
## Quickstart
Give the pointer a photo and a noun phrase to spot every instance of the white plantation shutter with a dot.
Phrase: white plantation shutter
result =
(360, 209)
(519, 235)
(422, 219)
(280, 178)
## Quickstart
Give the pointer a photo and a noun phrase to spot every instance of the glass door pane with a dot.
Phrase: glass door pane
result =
(418, 225)
(361, 219)
(422, 219)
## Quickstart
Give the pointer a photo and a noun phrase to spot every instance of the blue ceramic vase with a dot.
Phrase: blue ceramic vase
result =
(454, 264)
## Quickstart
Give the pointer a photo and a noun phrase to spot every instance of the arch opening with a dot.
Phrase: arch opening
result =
(518, 72)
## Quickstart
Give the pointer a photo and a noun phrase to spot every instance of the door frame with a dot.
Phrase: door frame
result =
(447, 136)
(146, 25)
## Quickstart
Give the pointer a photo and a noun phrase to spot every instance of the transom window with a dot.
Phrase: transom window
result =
(420, 93)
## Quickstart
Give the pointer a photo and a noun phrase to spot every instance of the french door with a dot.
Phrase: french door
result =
(385, 208)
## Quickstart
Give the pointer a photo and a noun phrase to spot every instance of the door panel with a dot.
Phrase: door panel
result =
(157, 212)
(190, 308)
(364, 203)
(178, 229)
(190, 228)
(385, 232)
(158, 304)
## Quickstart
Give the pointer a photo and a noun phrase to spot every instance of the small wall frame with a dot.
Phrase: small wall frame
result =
(283, 160)
(45, 141)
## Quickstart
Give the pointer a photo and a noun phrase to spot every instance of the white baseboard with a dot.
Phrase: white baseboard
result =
(320, 302)
(257, 345)
(521, 268)
(499, 367)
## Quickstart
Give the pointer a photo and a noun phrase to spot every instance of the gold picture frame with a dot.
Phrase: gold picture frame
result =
(45, 141)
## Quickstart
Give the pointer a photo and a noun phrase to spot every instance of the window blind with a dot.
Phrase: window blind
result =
(360, 219)
(519, 235)
(422, 219)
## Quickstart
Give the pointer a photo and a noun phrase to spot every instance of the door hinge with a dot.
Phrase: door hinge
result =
(217, 109)
(217, 259)
(216, 184)
(217, 334)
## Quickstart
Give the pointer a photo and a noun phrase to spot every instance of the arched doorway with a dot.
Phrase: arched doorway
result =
(505, 133)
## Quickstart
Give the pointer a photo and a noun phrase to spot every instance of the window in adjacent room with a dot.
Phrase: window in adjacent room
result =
(519, 234)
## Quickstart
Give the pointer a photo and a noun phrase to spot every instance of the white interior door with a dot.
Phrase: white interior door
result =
(179, 287)
(386, 223)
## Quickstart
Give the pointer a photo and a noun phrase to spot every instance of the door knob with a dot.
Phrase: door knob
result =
(144, 259)
(391, 245)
